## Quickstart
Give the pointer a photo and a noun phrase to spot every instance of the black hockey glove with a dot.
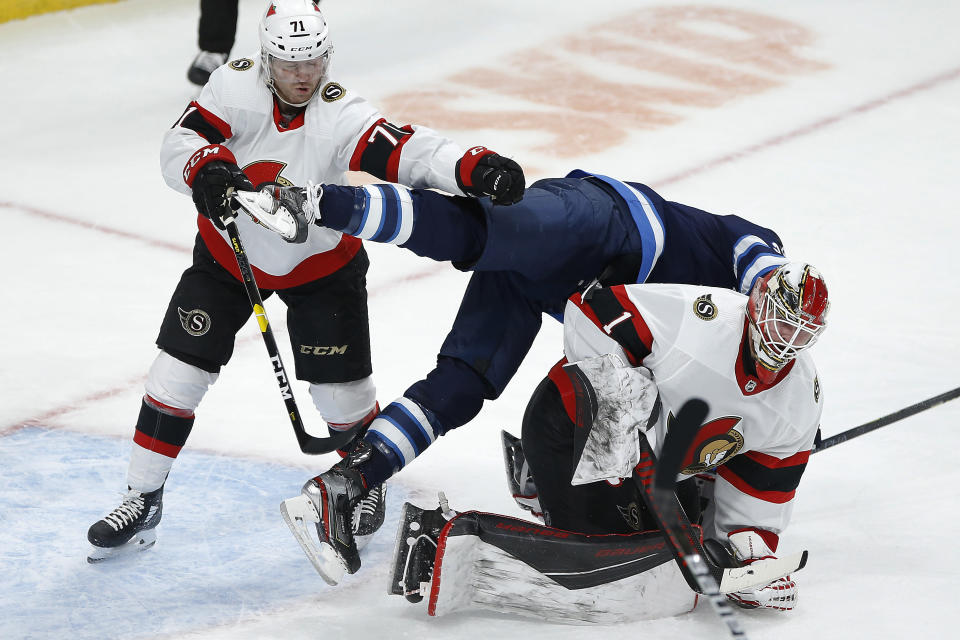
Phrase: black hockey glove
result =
(481, 172)
(210, 189)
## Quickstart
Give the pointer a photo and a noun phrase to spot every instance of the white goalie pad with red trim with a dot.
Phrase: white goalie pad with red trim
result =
(472, 573)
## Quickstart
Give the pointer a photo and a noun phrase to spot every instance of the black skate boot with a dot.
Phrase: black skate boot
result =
(330, 501)
(416, 549)
(129, 527)
(203, 65)
(368, 515)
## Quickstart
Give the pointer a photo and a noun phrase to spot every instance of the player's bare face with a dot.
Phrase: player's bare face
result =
(296, 82)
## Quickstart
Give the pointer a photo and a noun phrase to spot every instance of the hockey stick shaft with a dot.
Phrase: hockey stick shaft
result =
(308, 444)
(656, 481)
(883, 421)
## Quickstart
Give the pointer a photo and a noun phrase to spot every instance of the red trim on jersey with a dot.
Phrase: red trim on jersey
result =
(584, 306)
(152, 444)
(278, 120)
(749, 383)
(203, 156)
(315, 267)
(220, 125)
(560, 378)
(167, 409)
(772, 539)
(773, 462)
(636, 318)
(435, 582)
(776, 497)
(362, 145)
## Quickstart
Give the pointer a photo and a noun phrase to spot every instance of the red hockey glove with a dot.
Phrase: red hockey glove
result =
(748, 547)
(210, 189)
(481, 172)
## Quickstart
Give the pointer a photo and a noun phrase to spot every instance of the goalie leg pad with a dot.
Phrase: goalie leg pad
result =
(512, 566)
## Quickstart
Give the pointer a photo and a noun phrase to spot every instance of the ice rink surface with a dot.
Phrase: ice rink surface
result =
(836, 124)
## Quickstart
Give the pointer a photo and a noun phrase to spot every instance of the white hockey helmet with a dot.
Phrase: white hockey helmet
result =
(787, 311)
(292, 32)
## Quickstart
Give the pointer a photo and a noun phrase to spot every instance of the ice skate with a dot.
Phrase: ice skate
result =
(416, 549)
(203, 65)
(328, 501)
(368, 515)
(129, 528)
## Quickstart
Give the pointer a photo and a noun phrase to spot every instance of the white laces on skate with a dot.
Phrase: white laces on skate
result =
(367, 506)
(128, 511)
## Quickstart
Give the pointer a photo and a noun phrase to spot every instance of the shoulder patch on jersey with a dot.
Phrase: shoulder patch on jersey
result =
(704, 308)
(332, 91)
(816, 389)
(241, 64)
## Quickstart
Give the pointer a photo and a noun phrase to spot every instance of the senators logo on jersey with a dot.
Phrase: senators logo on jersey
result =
(332, 91)
(241, 64)
(716, 443)
(704, 308)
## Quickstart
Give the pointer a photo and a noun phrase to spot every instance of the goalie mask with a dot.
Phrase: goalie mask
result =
(295, 50)
(787, 311)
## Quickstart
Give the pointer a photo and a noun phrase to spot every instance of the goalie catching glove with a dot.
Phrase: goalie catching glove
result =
(748, 547)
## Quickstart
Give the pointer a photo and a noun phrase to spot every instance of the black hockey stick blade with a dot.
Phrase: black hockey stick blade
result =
(680, 436)
(883, 421)
(314, 445)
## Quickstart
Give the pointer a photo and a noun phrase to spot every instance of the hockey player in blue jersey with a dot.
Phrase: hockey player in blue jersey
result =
(526, 259)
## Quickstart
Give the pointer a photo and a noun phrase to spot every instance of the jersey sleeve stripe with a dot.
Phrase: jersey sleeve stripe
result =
(611, 310)
(204, 123)
(760, 265)
(753, 476)
(379, 148)
(742, 247)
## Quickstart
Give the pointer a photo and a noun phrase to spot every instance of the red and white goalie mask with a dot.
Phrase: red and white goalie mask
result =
(787, 312)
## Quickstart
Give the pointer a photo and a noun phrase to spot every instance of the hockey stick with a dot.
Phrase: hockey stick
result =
(883, 421)
(308, 444)
(658, 493)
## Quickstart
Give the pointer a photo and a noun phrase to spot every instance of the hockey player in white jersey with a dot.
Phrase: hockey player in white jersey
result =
(277, 117)
(644, 350)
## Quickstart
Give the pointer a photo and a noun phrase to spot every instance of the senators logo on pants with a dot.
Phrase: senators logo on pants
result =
(196, 322)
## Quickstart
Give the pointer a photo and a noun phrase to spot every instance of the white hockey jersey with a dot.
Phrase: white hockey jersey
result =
(757, 437)
(236, 119)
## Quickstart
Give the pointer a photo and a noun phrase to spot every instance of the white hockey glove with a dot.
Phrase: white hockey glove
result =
(626, 397)
(781, 594)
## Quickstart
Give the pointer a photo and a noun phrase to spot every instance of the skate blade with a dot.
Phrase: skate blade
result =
(140, 542)
(260, 207)
(297, 512)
